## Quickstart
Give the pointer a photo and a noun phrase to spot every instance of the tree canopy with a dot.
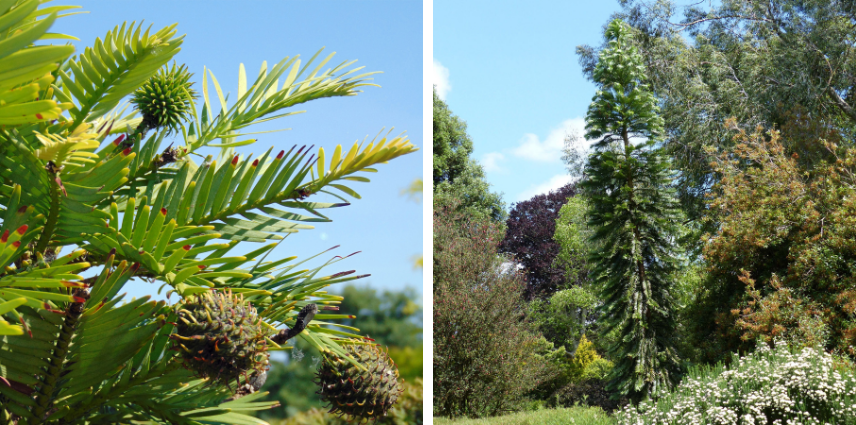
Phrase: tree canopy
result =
(786, 64)
(456, 175)
(529, 239)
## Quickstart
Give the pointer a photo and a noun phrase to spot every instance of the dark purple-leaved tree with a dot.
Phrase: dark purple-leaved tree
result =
(529, 238)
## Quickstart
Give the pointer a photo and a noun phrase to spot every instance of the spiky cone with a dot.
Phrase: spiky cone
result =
(164, 100)
(220, 336)
(366, 392)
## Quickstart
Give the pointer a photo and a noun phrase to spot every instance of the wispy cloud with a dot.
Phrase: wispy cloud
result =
(554, 183)
(440, 78)
(550, 149)
(490, 161)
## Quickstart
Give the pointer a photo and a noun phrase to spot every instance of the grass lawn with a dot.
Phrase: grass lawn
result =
(574, 415)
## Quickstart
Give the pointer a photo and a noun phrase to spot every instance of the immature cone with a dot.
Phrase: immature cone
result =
(366, 393)
(220, 336)
(164, 100)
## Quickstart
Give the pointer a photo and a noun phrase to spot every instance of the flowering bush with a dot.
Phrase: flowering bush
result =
(772, 386)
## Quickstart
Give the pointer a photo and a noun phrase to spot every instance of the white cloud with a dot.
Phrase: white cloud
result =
(549, 149)
(490, 161)
(440, 78)
(554, 183)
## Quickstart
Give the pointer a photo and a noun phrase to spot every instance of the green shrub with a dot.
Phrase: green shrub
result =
(598, 368)
(484, 353)
(771, 386)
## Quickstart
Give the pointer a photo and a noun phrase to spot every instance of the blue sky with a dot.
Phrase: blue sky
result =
(509, 69)
(382, 35)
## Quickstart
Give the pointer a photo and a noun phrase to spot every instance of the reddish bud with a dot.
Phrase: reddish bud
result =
(119, 139)
(186, 247)
(16, 244)
(21, 230)
(370, 339)
(256, 163)
(351, 316)
(5, 236)
(281, 154)
(126, 152)
(135, 267)
(163, 211)
(22, 210)
(201, 267)
(235, 160)
(112, 252)
(39, 116)
(78, 299)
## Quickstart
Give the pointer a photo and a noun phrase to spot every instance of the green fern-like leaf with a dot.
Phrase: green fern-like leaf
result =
(115, 67)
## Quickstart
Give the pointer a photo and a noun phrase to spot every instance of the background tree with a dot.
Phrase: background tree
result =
(781, 264)
(529, 239)
(484, 360)
(572, 234)
(456, 175)
(633, 213)
(785, 64)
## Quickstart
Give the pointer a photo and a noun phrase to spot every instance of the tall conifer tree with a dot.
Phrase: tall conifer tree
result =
(633, 212)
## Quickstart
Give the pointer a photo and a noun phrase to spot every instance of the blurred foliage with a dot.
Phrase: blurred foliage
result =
(409, 362)
(407, 411)
(392, 318)
(414, 192)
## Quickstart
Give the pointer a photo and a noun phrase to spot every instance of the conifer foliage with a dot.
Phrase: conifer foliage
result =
(78, 171)
(633, 213)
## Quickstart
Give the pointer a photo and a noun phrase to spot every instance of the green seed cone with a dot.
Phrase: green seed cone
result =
(164, 100)
(220, 336)
(361, 394)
